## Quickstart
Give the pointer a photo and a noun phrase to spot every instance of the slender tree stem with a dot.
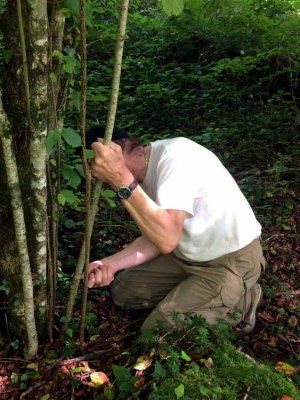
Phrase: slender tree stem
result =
(108, 135)
(20, 231)
(24, 60)
(83, 54)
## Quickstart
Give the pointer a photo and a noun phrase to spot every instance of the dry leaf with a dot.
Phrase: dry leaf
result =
(95, 337)
(268, 317)
(85, 366)
(98, 379)
(142, 363)
(284, 398)
(286, 368)
(209, 363)
(139, 382)
(273, 341)
(293, 321)
(33, 366)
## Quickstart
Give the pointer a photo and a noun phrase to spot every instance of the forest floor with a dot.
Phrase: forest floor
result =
(274, 339)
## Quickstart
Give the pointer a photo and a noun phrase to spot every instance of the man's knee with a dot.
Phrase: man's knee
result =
(118, 294)
(130, 296)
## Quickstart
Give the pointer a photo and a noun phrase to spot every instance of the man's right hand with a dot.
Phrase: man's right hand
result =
(100, 274)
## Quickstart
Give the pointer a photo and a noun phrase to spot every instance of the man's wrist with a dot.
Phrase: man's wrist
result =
(124, 179)
(110, 264)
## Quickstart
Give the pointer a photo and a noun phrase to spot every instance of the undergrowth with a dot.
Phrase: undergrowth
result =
(199, 361)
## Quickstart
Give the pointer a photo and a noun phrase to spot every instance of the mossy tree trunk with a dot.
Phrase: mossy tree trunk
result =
(29, 116)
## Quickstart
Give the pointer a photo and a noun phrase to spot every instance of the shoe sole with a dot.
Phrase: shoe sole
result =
(250, 318)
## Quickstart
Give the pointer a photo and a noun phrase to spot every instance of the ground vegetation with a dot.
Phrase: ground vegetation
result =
(222, 73)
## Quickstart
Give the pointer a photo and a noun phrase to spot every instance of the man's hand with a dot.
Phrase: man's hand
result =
(109, 165)
(100, 274)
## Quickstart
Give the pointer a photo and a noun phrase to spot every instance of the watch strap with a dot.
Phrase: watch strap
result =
(133, 185)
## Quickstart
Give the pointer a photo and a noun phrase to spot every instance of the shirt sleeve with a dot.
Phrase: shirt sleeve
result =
(176, 183)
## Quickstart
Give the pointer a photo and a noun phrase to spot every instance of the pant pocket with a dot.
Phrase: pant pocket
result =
(232, 291)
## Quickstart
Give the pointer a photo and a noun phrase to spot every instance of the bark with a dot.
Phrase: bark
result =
(55, 101)
(20, 231)
(87, 172)
(108, 135)
(38, 43)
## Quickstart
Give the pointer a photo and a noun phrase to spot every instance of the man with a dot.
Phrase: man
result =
(199, 250)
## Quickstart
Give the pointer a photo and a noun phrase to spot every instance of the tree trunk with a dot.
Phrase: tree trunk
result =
(25, 102)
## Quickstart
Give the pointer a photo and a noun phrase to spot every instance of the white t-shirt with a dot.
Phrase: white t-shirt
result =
(183, 175)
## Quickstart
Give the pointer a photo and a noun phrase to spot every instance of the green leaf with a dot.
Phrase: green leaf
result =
(184, 356)
(71, 136)
(69, 332)
(69, 223)
(111, 203)
(53, 162)
(73, 6)
(45, 397)
(5, 287)
(125, 381)
(71, 176)
(77, 369)
(108, 194)
(70, 64)
(69, 196)
(53, 138)
(14, 378)
(173, 7)
(74, 100)
(122, 374)
(204, 390)
(58, 54)
(98, 97)
(159, 373)
(79, 169)
(61, 199)
(53, 77)
(89, 154)
(109, 393)
(179, 391)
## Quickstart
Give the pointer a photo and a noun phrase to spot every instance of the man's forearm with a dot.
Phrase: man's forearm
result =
(136, 253)
(162, 227)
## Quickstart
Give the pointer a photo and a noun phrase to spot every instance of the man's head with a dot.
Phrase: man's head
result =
(132, 148)
(98, 131)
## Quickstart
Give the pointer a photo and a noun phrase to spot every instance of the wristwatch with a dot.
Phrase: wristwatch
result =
(124, 192)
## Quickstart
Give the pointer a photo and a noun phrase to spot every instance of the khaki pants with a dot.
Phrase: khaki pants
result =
(211, 289)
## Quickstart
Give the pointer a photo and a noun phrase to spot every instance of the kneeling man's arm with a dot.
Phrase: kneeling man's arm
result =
(101, 273)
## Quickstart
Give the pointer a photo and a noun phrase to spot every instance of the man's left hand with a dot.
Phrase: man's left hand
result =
(108, 164)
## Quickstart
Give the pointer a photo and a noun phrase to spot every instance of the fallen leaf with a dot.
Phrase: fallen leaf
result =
(284, 398)
(139, 382)
(95, 337)
(273, 341)
(209, 363)
(286, 368)
(98, 379)
(268, 317)
(85, 366)
(293, 321)
(264, 336)
(142, 363)
(76, 370)
(33, 366)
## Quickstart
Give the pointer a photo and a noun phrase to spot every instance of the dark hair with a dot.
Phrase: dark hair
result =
(98, 131)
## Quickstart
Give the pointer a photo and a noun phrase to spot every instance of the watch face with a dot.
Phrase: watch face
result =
(124, 192)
